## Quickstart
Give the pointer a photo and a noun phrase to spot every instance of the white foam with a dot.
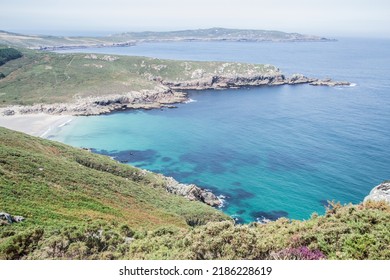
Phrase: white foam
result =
(221, 198)
(46, 132)
(190, 101)
(65, 123)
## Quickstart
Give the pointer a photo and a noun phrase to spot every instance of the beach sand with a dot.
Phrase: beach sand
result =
(35, 124)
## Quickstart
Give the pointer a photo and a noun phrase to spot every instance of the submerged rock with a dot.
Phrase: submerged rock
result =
(380, 193)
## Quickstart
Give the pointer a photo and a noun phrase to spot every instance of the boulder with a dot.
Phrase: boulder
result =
(191, 191)
(380, 192)
(8, 219)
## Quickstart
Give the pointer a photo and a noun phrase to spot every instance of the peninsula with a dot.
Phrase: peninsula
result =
(93, 84)
(45, 42)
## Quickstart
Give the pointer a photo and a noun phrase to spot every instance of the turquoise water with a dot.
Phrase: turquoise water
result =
(271, 151)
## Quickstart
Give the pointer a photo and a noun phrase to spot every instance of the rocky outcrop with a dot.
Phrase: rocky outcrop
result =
(329, 83)
(168, 92)
(237, 81)
(146, 99)
(226, 81)
(191, 191)
(380, 192)
(6, 218)
(301, 79)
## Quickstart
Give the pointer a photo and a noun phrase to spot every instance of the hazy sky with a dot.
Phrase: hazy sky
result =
(326, 17)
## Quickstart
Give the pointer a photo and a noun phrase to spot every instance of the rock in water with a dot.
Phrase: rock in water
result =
(380, 192)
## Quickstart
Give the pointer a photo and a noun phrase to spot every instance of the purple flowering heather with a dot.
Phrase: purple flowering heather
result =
(300, 253)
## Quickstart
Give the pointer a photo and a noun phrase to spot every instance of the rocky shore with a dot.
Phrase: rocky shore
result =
(380, 193)
(164, 95)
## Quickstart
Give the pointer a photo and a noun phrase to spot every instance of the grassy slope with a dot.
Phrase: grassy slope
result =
(81, 205)
(36, 41)
(54, 185)
(40, 77)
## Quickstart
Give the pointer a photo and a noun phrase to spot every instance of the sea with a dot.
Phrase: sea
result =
(268, 152)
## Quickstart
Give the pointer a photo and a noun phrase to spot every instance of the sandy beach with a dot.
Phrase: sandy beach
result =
(35, 124)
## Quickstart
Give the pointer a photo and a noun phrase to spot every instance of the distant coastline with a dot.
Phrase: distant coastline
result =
(217, 34)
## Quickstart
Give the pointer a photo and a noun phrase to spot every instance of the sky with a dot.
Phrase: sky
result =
(334, 18)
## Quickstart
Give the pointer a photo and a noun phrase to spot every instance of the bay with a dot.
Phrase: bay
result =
(270, 151)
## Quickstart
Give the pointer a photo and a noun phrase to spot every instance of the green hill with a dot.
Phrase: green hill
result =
(45, 77)
(55, 186)
(78, 205)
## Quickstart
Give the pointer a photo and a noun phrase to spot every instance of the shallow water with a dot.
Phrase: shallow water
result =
(271, 151)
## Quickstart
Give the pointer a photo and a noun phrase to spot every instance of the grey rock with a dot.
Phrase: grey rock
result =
(18, 219)
(329, 83)
(10, 219)
(380, 192)
(299, 79)
(191, 191)
(8, 112)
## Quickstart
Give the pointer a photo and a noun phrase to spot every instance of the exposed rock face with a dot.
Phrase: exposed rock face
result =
(146, 99)
(380, 192)
(236, 81)
(228, 81)
(8, 219)
(191, 191)
(329, 83)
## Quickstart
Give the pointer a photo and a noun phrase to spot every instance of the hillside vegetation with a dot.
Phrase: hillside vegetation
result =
(79, 205)
(44, 77)
(7, 54)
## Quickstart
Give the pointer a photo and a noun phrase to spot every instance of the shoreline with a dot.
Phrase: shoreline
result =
(35, 124)
(165, 95)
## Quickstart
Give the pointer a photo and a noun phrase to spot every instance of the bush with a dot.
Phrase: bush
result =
(7, 54)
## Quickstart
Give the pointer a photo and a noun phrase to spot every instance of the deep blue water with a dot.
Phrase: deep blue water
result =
(272, 151)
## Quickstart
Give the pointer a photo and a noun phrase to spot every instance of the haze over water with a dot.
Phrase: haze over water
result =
(271, 151)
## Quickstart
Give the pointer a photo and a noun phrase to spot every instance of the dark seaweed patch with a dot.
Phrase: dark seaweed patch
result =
(147, 156)
(324, 202)
(242, 194)
(218, 161)
(287, 162)
(271, 215)
(238, 220)
(166, 159)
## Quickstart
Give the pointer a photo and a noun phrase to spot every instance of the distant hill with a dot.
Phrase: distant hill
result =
(219, 34)
(130, 38)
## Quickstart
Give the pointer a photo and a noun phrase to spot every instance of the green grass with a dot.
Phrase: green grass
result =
(79, 205)
(43, 77)
(55, 186)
